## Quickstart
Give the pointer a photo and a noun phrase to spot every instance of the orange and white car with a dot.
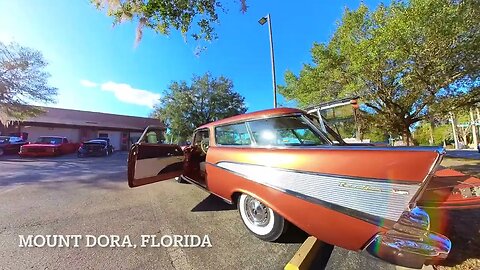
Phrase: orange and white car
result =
(281, 168)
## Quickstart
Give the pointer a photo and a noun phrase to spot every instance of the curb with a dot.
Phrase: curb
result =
(305, 255)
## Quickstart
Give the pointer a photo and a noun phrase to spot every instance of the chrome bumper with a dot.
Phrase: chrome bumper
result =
(410, 243)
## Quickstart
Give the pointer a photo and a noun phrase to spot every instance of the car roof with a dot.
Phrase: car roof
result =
(253, 115)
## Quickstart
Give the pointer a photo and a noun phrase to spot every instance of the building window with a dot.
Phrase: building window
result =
(236, 134)
(103, 135)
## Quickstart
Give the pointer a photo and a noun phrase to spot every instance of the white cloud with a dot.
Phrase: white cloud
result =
(126, 93)
(88, 83)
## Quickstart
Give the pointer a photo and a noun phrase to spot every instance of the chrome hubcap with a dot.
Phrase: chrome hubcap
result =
(256, 212)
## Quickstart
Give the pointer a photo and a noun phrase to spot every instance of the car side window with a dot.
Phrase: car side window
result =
(284, 131)
(65, 140)
(236, 134)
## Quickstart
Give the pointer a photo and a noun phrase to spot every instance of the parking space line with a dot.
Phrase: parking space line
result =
(305, 255)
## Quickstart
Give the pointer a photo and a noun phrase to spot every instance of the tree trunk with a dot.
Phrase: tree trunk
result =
(407, 136)
(478, 118)
(358, 125)
(474, 129)
(431, 141)
(454, 130)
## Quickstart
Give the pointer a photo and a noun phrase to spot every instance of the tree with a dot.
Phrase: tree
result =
(442, 134)
(185, 107)
(162, 16)
(22, 80)
(408, 61)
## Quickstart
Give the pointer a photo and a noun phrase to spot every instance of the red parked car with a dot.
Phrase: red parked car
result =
(48, 146)
(10, 144)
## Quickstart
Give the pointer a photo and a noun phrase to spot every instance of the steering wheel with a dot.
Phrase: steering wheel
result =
(204, 144)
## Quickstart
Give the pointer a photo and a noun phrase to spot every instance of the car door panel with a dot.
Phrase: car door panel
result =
(149, 163)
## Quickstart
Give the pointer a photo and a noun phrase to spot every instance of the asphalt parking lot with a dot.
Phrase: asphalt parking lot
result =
(464, 153)
(89, 196)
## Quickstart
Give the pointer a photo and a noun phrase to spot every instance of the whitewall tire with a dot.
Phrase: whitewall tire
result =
(260, 219)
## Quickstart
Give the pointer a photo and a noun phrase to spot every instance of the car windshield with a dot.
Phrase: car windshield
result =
(4, 139)
(332, 135)
(49, 140)
(285, 131)
(15, 139)
(98, 142)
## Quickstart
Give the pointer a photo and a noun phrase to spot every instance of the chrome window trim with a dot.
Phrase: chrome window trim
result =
(252, 138)
(253, 142)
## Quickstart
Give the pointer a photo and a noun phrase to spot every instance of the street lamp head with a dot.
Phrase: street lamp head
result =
(263, 20)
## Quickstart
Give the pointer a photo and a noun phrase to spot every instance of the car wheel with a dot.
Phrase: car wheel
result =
(260, 219)
(79, 155)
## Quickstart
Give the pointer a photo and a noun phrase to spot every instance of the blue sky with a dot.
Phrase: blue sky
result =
(97, 68)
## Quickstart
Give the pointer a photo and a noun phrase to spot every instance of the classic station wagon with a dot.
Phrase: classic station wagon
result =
(282, 166)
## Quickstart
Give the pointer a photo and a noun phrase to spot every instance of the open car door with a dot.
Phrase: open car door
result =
(451, 190)
(150, 160)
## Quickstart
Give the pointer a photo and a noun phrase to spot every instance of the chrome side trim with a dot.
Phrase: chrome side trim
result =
(372, 201)
(438, 150)
(375, 220)
(403, 182)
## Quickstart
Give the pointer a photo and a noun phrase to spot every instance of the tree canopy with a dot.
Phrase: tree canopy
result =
(407, 61)
(184, 107)
(22, 80)
(197, 17)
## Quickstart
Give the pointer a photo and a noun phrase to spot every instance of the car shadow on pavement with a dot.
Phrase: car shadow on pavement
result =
(213, 203)
(462, 227)
(293, 235)
(53, 172)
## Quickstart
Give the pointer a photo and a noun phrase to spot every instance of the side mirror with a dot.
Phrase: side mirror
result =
(188, 143)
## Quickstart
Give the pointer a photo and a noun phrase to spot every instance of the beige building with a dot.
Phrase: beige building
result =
(79, 126)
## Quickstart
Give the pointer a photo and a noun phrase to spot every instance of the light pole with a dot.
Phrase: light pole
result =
(262, 21)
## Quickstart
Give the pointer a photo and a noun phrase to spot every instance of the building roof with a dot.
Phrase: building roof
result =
(67, 117)
(254, 115)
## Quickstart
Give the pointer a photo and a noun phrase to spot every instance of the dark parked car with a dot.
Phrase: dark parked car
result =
(97, 147)
(10, 144)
